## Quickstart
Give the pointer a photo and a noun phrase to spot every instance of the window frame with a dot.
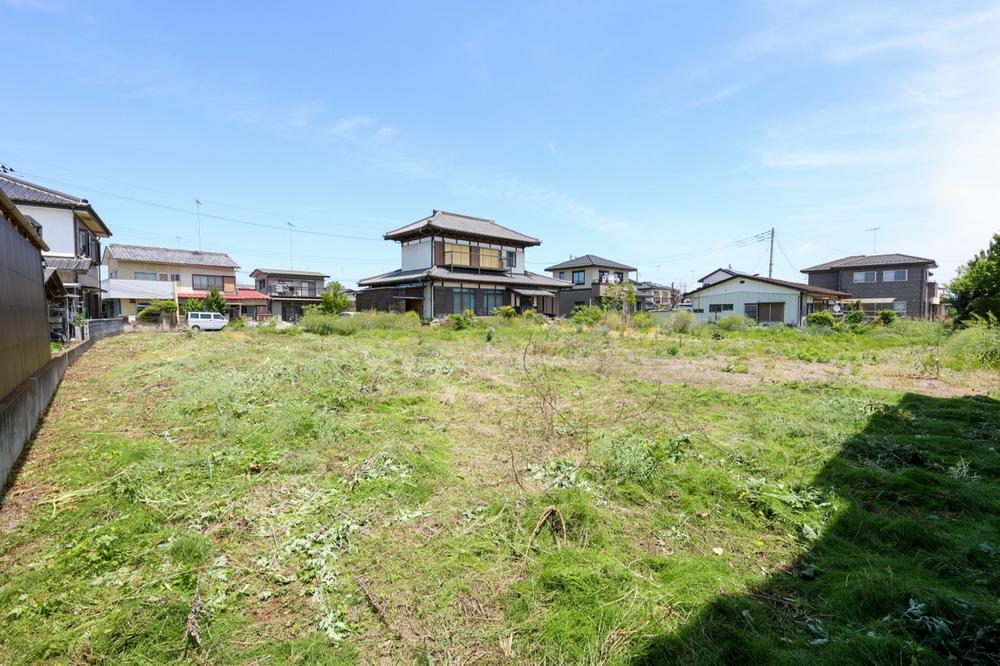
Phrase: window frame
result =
(901, 311)
(146, 274)
(864, 275)
(720, 307)
(458, 302)
(210, 281)
(492, 295)
(583, 277)
(894, 272)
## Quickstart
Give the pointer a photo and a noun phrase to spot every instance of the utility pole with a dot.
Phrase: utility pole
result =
(291, 255)
(874, 231)
(770, 265)
(198, 214)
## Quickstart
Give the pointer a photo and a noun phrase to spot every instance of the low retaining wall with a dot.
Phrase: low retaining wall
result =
(21, 409)
(102, 328)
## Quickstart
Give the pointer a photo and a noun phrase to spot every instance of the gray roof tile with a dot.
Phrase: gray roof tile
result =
(22, 192)
(168, 255)
(526, 279)
(443, 221)
(590, 260)
(869, 260)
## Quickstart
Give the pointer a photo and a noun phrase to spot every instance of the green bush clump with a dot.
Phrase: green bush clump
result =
(735, 322)
(463, 321)
(681, 321)
(630, 457)
(975, 347)
(642, 321)
(855, 317)
(887, 317)
(505, 312)
(821, 318)
(158, 308)
(587, 314)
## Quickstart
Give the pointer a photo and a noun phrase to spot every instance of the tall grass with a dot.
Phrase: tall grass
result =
(325, 324)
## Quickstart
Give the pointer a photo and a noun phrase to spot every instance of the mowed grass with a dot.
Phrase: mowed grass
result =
(291, 498)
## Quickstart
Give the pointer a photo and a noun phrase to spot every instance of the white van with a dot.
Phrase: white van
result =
(206, 321)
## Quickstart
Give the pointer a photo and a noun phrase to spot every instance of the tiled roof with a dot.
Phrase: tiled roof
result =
(23, 192)
(443, 221)
(806, 288)
(168, 255)
(279, 271)
(870, 260)
(590, 260)
(23, 223)
(68, 263)
(526, 279)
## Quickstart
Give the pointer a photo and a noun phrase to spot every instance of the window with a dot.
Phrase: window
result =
(140, 306)
(619, 277)
(602, 277)
(562, 275)
(720, 307)
(511, 259)
(492, 299)
(217, 316)
(206, 282)
(175, 277)
(456, 254)
(84, 243)
(773, 313)
(899, 307)
(895, 276)
(579, 277)
(463, 299)
(864, 276)
(140, 275)
(260, 285)
(750, 310)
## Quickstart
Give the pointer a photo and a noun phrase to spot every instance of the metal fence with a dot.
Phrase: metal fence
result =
(24, 326)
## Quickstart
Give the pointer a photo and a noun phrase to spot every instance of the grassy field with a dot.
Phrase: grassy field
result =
(547, 495)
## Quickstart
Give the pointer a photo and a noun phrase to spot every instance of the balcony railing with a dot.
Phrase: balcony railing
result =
(484, 262)
(296, 292)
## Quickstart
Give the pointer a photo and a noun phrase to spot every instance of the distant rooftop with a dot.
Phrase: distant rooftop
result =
(804, 288)
(870, 260)
(168, 255)
(22, 192)
(281, 271)
(590, 260)
(456, 223)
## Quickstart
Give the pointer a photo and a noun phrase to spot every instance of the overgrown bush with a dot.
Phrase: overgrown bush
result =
(463, 321)
(642, 321)
(975, 347)
(821, 318)
(681, 321)
(587, 314)
(855, 317)
(158, 308)
(630, 457)
(735, 322)
(505, 312)
(323, 324)
(886, 317)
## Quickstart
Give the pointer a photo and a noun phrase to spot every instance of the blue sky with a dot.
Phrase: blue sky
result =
(650, 133)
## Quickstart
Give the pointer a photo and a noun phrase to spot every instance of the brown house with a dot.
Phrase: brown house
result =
(451, 263)
(589, 277)
(898, 282)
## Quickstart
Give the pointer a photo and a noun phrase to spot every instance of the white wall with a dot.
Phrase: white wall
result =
(58, 229)
(739, 292)
(716, 276)
(417, 255)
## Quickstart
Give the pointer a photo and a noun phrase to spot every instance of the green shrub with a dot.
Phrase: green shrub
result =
(821, 318)
(158, 308)
(681, 321)
(587, 314)
(855, 317)
(975, 347)
(886, 317)
(505, 312)
(316, 322)
(735, 322)
(629, 457)
(642, 321)
(461, 322)
(237, 324)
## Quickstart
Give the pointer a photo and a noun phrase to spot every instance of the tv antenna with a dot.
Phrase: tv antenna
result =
(197, 203)
(291, 255)
(874, 231)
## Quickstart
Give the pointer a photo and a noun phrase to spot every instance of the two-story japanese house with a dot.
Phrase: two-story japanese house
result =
(898, 282)
(290, 291)
(451, 263)
(590, 277)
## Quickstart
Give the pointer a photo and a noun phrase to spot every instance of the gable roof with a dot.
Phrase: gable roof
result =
(277, 271)
(21, 222)
(870, 260)
(437, 273)
(730, 271)
(804, 288)
(168, 255)
(443, 221)
(25, 193)
(590, 260)
(67, 263)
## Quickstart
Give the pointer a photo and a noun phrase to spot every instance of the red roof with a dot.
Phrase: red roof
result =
(241, 295)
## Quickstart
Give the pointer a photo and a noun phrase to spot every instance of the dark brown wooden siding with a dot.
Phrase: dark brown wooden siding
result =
(24, 328)
(438, 253)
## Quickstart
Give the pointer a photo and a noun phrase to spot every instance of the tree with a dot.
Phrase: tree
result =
(975, 291)
(214, 302)
(333, 300)
(620, 296)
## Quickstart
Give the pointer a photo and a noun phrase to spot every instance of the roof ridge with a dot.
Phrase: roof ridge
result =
(465, 215)
(45, 190)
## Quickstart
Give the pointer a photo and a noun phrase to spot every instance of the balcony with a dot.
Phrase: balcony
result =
(282, 291)
(476, 261)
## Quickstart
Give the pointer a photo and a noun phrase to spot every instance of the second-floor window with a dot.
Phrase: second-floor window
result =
(511, 259)
(170, 277)
(895, 276)
(142, 275)
(619, 277)
(602, 277)
(489, 257)
(456, 254)
(579, 277)
(865, 276)
(206, 282)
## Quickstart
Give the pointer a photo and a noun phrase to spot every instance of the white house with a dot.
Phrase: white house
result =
(765, 300)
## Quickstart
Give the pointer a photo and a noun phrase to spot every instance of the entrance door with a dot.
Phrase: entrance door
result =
(771, 313)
